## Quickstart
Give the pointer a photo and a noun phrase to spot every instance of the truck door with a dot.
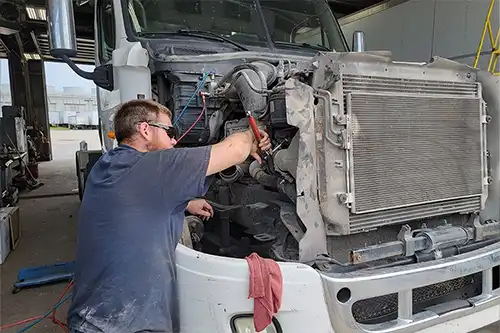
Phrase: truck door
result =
(105, 43)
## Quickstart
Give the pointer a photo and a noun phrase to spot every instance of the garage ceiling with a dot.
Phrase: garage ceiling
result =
(33, 29)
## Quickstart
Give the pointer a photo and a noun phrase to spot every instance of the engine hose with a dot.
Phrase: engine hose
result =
(261, 176)
(224, 208)
(234, 173)
(230, 74)
(249, 82)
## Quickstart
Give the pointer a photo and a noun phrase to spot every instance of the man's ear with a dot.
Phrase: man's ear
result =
(144, 130)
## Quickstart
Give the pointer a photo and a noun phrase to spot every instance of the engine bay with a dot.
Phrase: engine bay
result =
(370, 157)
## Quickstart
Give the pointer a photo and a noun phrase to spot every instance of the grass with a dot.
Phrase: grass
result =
(58, 128)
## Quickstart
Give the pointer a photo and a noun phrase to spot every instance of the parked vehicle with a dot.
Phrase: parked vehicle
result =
(381, 199)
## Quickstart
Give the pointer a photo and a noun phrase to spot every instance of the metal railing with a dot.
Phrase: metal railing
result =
(495, 52)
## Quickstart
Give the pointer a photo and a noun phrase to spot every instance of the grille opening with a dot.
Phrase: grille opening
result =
(496, 277)
(381, 309)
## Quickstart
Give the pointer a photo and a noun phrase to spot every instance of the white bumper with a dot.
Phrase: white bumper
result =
(214, 289)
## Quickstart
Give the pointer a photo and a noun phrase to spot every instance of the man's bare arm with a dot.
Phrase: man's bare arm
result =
(231, 151)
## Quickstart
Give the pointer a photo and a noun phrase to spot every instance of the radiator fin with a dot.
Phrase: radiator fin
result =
(351, 82)
(367, 221)
(414, 149)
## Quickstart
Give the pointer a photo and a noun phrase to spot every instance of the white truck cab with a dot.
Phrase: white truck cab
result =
(380, 201)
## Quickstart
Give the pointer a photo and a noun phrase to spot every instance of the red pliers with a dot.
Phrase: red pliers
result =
(253, 125)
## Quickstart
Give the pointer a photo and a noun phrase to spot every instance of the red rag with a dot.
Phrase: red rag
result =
(266, 288)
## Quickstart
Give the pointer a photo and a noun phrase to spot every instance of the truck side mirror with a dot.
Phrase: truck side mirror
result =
(61, 26)
(62, 39)
(358, 41)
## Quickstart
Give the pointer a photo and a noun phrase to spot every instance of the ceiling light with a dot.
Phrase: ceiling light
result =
(36, 13)
(32, 56)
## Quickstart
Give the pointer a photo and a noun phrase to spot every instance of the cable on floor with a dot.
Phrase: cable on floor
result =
(24, 321)
(38, 319)
(26, 328)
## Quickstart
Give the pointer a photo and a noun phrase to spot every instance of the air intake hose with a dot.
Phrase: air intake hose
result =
(249, 82)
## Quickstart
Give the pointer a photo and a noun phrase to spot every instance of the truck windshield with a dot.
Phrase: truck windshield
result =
(266, 23)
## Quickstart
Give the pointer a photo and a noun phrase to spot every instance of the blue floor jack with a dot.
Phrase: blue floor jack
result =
(41, 275)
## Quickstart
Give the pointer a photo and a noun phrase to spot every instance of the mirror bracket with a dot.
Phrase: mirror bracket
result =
(102, 75)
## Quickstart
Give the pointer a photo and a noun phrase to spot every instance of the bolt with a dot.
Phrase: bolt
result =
(343, 198)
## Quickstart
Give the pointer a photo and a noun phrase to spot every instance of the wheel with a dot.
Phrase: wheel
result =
(16, 290)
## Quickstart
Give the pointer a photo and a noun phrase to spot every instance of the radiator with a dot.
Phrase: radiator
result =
(416, 149)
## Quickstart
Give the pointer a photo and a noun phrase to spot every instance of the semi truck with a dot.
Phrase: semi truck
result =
(380, 200)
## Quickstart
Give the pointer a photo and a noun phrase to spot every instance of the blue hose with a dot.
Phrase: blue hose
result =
(25, 328)
(200, 85)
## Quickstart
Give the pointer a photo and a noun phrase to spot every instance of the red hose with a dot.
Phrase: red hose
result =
(53, 317)
(24, 321)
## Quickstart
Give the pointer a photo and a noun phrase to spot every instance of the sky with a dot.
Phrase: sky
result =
(56, 74)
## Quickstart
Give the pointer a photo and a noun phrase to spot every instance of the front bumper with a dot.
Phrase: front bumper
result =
(343, 290)
(213, 289)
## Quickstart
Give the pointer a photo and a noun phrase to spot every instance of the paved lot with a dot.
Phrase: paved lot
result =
(48, 236)
(66, 142)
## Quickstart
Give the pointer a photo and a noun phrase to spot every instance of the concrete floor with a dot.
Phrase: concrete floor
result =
(48, 235)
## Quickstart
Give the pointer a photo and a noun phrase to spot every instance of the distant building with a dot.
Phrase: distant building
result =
(69, 99)
(67, 106)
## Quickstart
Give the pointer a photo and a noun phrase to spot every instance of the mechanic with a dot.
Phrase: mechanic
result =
(131, 220)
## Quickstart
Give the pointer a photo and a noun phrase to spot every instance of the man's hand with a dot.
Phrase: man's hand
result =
(200, 208)
(263, 144)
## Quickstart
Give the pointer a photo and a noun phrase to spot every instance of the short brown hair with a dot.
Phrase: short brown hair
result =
(133, 112)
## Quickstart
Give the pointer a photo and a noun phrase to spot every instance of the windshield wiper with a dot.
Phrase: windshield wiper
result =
(201, 33)
(195, 33)
(310, 46)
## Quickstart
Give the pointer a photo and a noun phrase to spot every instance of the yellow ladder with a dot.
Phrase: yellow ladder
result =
(495, 52)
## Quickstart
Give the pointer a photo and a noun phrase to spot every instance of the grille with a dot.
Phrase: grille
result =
(351, 83)
(367, 221)
(385, 308)
(409, 150)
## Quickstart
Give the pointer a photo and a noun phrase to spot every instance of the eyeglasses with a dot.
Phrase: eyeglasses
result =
(171, 132)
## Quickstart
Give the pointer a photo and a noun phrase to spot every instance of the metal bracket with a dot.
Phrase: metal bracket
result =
(345, 198)
(487, 180)
(346, 139)
(486, 119)
(484, 230)
(338, 118)
(405, 236)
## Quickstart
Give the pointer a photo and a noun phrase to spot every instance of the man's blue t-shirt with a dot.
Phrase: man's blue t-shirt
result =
(130, 222)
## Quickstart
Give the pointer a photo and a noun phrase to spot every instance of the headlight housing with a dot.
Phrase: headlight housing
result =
(244, 324)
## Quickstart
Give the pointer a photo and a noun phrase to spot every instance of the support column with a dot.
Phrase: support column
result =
(39, 107)
(27, 85)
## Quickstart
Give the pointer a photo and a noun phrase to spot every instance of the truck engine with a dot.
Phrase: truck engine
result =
(374, 162)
